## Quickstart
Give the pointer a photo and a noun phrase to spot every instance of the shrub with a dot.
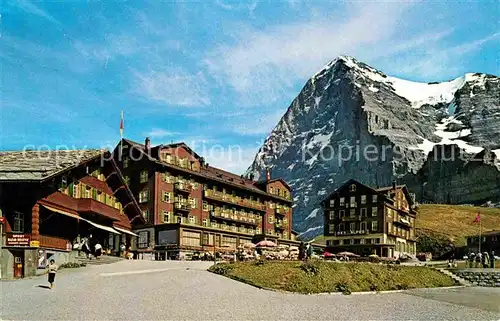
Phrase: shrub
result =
(343, 287)
(221, 269)
(71, 265)
(310, 267)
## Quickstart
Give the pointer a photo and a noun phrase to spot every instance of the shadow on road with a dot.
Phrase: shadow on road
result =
(44, 286)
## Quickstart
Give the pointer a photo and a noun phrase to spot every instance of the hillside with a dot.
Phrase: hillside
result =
(453, 222)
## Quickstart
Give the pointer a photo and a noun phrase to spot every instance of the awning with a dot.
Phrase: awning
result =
(102, 227)
(62, 212)
(125, 231)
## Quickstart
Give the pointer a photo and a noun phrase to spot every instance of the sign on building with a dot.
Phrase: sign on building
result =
(19, 240)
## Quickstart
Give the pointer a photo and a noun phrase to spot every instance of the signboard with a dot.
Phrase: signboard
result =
(35, 244)
(21, 240)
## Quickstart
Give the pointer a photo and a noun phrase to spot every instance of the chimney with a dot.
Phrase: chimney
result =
(268, 175)
(147, 143)
(394, 184)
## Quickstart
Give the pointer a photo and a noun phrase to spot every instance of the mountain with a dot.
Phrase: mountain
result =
(353, 121)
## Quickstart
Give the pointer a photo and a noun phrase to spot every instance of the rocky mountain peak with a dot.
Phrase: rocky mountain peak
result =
(349, 105)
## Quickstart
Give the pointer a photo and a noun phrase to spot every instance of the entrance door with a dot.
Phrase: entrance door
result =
(18, 264)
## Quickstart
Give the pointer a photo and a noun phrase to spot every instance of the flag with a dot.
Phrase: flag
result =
(268, 175)
(121, 126)
(477, 219)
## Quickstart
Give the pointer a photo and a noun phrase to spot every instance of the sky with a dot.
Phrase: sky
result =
(216, 75)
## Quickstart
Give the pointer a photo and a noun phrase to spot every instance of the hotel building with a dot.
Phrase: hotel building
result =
(366, 220)
(189, 206)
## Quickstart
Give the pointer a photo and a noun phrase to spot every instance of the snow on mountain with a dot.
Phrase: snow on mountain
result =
(349, 106)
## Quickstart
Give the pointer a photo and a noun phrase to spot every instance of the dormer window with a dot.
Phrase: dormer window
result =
(352, 188)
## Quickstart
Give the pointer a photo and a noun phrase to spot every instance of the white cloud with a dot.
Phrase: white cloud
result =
(262, 65)
(159, 133)
(173, 86)
(33, 9)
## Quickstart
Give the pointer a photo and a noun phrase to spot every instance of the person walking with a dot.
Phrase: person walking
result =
(98, 250)
(479, 259)
(309, 250)
(52, 273)
(472, 259)
(492, 259)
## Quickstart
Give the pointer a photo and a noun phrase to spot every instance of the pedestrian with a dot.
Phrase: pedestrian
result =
(479, 259)
(122, 249)
(309, 250)
(486, 262)
(472, 259)
(52, 273)
(492, 259)
(98, 250)
(302, 251)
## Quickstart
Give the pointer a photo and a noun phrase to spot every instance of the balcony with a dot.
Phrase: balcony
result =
(53, 242)
(231, 218)
(89, 205)
(184, 188)
(234, 200)
(351, 218)
(403, 223)
(357, 232)
(280, 226)
(182, 207)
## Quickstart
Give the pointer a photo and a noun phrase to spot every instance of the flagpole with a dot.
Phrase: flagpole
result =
(480, 238)
(121, 137)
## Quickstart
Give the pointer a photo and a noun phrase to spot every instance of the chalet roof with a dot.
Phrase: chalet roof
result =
(264, 183)
(40, 165)
(228, 177)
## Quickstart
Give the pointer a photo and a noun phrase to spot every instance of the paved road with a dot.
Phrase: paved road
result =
(155, 290)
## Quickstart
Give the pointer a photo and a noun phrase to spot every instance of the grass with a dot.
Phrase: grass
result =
(455, 222)
(321, 276)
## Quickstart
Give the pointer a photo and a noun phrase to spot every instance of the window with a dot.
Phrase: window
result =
(257, 230)
(363, 199)
(376, 241)
(363, 226)
(352, 188)
(192, 202)
(205, 206)
(271, 220)
(364, 212)
(352, 213)
(362, 241)
(389, 227)
(374, 211)
(145, 214)
(166, 217)
(357, 241)
(342, 213)
(125, 162)
(331, 214)
(368, 241)
(18, 222)
(144, 176)
(192, 220)
(331, 228)
(144, 196)
(205, 222)
(374, 198)
(374, 226)
(166, 197)
(352, 201)
(143, 241)
(179, 219)
(352, 226)
(351, 241)
(64, 182)
(342, 201)
(191, 238)
(332, 203)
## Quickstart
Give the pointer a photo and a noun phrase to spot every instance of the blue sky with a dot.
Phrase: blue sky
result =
(210, 73)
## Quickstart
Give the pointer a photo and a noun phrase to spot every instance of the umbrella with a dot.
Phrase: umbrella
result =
(373, 255)
(328, 254)
(248, 245)
(266, 243)
(347, 254)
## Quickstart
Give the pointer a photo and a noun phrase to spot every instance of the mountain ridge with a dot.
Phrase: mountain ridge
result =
(349, 104)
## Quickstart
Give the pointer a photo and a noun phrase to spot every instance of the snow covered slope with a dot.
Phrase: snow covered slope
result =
(348, 108)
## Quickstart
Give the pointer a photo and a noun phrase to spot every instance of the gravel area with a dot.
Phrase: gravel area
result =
(154, 290)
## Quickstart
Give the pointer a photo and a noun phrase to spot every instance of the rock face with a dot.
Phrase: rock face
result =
(352, 121)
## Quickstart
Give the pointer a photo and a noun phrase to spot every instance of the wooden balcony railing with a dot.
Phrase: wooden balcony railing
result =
(234, 200)
(53, 242)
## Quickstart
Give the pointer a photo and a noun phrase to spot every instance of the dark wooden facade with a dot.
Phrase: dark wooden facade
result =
(189, 205)
(87, 197)
(366, 221)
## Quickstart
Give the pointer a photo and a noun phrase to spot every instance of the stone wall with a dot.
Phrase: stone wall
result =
(480, 277)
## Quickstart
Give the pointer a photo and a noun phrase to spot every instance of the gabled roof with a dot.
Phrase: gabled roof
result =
(264, 183)
(349, 182)
(40, 165)
(183, 145)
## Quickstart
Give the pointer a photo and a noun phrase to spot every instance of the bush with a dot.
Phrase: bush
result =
(221, 269)
(310, 267)
(343, 287)
(71, 265)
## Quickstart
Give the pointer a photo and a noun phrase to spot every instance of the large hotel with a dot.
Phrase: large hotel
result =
(367, 220)
(190, 206)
